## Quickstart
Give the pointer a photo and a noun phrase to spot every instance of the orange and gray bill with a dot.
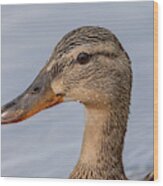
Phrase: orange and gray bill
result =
(37, 97)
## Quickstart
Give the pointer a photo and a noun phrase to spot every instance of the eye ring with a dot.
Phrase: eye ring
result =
(83, 58)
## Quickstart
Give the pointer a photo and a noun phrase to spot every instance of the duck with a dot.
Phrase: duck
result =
(88, 65)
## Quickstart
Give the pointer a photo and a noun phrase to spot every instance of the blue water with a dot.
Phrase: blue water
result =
(48, 144)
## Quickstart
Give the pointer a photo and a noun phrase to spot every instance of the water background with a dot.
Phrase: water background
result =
(48, 144)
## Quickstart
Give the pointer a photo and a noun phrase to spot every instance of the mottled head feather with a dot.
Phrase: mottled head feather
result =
(83, 36)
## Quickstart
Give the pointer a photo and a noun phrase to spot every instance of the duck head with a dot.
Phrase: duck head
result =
(88, 65)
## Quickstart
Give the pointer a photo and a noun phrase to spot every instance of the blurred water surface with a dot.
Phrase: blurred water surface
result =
(48, 144)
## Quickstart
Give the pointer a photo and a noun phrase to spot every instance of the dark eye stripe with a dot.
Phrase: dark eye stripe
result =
(107, 54)
(84, 58)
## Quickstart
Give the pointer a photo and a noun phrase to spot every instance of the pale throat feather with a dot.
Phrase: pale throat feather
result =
(101, 152)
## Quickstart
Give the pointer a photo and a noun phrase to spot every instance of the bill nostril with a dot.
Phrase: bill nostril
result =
(36, 90)
(60, 94)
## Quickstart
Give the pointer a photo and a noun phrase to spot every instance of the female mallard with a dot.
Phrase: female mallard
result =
(88, 65)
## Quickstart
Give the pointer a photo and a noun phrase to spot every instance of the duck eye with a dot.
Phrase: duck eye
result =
(83, 58)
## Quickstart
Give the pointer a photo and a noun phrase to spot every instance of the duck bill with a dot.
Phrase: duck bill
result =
(24, 107)
(37, 97)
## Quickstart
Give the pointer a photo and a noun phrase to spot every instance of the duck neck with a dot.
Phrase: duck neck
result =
(101, 153)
